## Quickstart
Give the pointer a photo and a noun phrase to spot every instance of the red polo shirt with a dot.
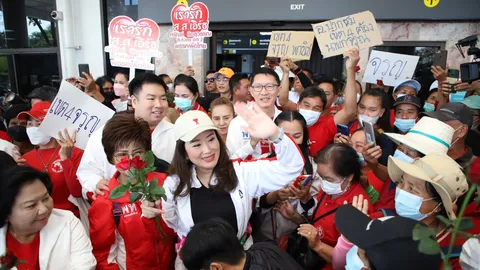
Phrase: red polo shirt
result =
(387, 196)
(321, 134)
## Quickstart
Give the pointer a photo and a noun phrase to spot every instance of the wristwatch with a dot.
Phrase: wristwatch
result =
(280, 137)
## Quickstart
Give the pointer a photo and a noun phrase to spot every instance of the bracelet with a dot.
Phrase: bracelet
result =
(280, 137)
(297, 71)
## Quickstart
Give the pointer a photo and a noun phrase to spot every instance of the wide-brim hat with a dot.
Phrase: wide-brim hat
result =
(429, 135)
(440, 170)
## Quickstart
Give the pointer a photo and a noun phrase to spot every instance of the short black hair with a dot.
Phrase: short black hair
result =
(6, 161)
(11, 182)
(44, 93)
(135, 86)
(210, 241)
(266, 71)
(102, 80)
(188, 82)
(14, 110)
(163, 76)
(234, 81)
(313, 92)
(343, 160)
(210, 72)
(125, 74)
(329, 80)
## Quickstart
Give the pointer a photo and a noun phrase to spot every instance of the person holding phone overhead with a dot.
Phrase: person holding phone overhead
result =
(204, 183)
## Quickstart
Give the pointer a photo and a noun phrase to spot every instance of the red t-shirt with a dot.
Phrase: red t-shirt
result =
(25, 252)
(321, 134)
(374, 181)
(62, 174)
(387, 196)
(354, 126)
(4, 136)
(392, 117)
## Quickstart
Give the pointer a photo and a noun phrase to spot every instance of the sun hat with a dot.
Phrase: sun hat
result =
(429, 135)
(38, 111)
(387, 241)
(190, 124)
(472, 102)
(225, 71)
(453, 111)
(440, 170)
(412, 83)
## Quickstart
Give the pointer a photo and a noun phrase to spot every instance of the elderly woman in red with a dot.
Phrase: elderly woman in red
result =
(122, 238)
(58, 158)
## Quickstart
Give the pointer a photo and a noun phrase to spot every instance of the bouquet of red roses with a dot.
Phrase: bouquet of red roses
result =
(9, 260)
(137, 184)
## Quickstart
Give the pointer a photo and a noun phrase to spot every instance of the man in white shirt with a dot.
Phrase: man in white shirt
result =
(148, 95)
(264, 89)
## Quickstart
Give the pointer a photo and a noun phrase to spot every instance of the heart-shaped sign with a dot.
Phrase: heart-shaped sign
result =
(190, 19)
(142, 34)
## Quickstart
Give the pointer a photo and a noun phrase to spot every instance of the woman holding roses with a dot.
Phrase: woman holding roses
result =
(122, 237)
(205, 183)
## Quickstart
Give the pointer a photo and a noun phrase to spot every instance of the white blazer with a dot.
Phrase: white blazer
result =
(255, 178)
(63, 243)
(238, 139)
(94, 164)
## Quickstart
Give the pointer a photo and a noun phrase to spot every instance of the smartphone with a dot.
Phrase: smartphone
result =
(440, 59)
(369, 133)
(302, 181)
(342, 129)
(83, 68)
(273, 61)
(453, 75)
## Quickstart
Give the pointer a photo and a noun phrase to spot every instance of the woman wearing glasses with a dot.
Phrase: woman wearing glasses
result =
(186, 94)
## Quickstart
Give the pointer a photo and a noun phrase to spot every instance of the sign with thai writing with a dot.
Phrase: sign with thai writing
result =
(133, 44)
(390, 67)
(291, 44)
(72, 109)
(337, 36)
(190, 25)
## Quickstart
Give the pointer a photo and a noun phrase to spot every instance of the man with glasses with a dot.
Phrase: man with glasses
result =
(264, 89)
(210, 92)
(222, 78)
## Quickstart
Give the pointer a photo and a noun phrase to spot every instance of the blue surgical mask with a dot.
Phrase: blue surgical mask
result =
(353, 260)
(183, 104)
(408, 205)
(402, 156)
(428, 107)
(404, 125)
(310, 116)
(362, 159)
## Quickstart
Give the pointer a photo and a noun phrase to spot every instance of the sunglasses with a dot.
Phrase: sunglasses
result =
(209, 80)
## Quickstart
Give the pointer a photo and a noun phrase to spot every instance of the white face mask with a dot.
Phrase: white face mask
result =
(331, 188)
(363, 117)
(170, 87)
(311, 117)
(37, 137)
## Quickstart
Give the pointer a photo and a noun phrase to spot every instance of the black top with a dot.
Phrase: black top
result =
(207, 204)
(473, 140)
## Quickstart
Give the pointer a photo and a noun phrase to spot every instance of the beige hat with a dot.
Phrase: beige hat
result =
(429, 135)
(439, 170)
(190, 124)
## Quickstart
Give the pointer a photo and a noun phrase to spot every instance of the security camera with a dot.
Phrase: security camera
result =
(57, 15)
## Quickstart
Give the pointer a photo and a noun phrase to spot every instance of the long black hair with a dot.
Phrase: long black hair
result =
(384, 121)
(188, 82)
(291, 116)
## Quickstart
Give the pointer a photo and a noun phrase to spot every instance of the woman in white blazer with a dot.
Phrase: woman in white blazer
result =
(205, 183)
(43, 237)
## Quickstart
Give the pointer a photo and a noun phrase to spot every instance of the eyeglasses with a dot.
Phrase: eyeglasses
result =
(209, 80)
(268, 87)
(120, 155)
(221, 79)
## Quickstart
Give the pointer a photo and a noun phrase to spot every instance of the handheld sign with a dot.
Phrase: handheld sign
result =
(291, 44)
(133, 44)
(389, 67)
(72, 109)
(190, 25)
(337, 36)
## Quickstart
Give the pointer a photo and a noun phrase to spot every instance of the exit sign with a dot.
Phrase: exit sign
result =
(297, 6)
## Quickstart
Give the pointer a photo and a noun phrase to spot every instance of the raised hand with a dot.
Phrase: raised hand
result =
(259, 125)
(352, 59)
(311, 233)
(66, 144)
(372, 154)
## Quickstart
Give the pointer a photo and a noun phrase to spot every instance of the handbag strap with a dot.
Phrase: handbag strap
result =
(318, 206)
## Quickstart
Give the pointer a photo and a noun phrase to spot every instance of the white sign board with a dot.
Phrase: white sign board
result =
(72, 109)
(389, 67)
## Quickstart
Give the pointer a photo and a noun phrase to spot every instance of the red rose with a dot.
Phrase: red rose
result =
(138, 163)
(357, 68)
(380, 83)
(8, 259)
(124, 164)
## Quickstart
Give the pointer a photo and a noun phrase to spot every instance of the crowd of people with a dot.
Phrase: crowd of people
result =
(279, 169)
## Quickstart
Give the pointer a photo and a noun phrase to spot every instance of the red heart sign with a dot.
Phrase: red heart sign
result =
(125, 32)
(190, 20)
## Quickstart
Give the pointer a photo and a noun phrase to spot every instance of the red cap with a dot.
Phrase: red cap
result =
(38, 111)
